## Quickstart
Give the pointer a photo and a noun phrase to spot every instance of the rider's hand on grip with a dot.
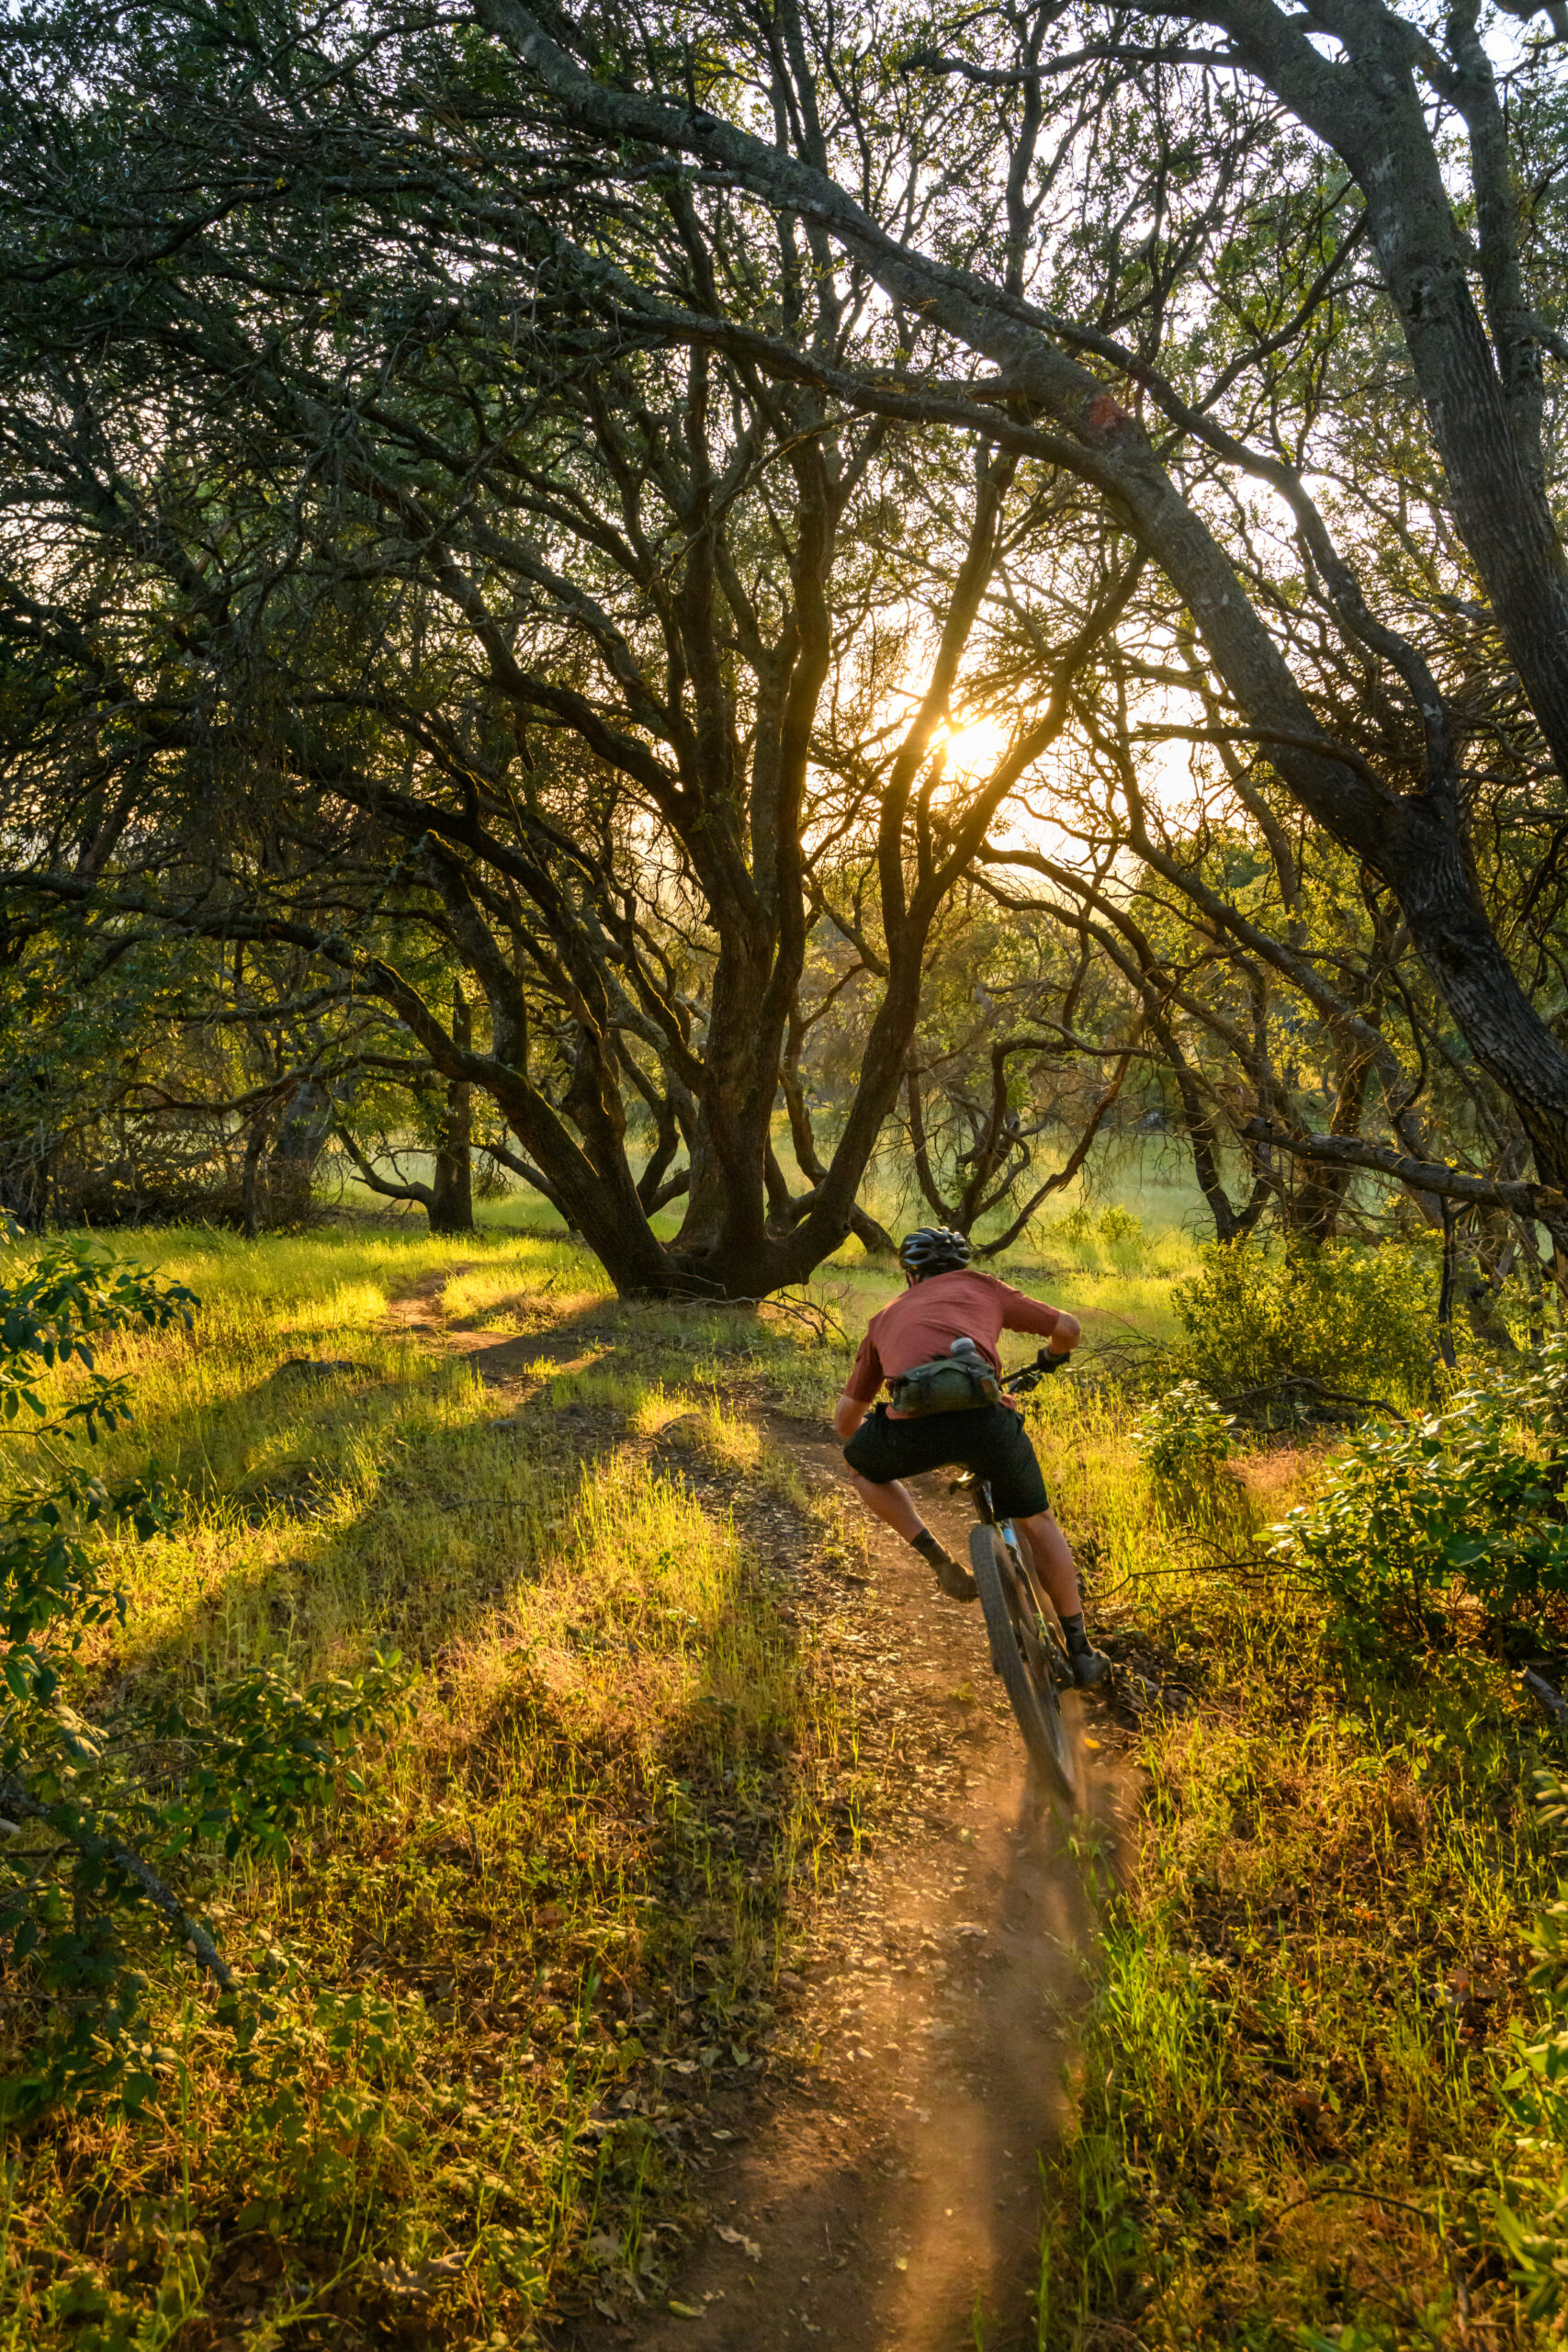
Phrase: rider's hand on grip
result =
(1044, 1361)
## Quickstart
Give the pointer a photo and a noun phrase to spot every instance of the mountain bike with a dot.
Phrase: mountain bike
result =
(1027, 1649)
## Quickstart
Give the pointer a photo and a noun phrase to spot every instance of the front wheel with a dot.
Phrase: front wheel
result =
(1021, 1658)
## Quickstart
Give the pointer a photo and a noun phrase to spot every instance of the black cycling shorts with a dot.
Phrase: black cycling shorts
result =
(991, 1441)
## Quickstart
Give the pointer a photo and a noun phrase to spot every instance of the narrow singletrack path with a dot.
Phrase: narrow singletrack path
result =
(883, 2195)
(878, 2189)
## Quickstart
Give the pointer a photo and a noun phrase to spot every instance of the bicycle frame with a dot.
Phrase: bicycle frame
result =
(1036, 1608)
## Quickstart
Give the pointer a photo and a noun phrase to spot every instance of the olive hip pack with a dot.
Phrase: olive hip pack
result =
(960, 1382)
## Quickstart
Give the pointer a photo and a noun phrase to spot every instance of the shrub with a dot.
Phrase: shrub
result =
(1352, 1319)
(1463, 1503)
(1118, 1225)
(1185, 1435)
(102, 1821)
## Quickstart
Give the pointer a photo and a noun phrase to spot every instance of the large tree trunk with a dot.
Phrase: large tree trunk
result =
(1431, 880)
(250, 1178)
(451, 1204)
(298, 1144)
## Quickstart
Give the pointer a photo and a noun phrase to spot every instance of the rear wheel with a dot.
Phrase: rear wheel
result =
(1021, 1647)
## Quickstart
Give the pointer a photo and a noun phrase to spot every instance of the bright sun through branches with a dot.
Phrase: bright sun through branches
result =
(976, 749)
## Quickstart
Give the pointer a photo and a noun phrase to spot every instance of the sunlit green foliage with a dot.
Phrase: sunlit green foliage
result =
(1184, 1433)
(1465, 1506)
(1346, 1318)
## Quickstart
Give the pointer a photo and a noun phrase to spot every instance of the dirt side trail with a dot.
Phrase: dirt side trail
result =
(878, 2190)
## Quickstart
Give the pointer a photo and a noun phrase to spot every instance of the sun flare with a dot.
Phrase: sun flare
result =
(976, 749)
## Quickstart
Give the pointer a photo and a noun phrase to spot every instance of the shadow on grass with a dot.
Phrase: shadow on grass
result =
(581, 1851)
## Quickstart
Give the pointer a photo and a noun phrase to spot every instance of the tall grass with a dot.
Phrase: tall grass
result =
(1309, 1958)
(579, 1858)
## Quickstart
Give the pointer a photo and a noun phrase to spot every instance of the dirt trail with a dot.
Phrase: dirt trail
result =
(881, 2193)
(499, 1363)
(886, 2198)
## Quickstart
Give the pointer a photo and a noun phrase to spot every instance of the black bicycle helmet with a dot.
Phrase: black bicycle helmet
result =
(933, 1250)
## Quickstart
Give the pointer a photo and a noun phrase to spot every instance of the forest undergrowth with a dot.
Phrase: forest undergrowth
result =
(513, 1986)
(1294, 2124)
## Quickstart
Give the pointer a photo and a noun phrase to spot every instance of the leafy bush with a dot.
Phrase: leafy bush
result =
(96, 1817)
(1465, 1502)
(1184, 1435)
(1116, 1225)
(1359, 1321)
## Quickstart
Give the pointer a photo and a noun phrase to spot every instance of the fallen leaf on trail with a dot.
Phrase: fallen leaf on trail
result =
(748, 2246)
(403, 2278)
(685, 2311)
(901, 2262)
(1091, 1743)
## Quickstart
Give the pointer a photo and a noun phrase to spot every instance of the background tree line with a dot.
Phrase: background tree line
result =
(615, 588)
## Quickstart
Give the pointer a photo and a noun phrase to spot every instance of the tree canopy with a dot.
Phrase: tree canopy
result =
(616, 538)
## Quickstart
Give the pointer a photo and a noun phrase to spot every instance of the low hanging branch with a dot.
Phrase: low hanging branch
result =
(1535, 1202)
(105, 1855)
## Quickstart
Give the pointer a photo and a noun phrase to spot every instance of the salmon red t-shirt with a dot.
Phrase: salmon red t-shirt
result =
(963, 1305)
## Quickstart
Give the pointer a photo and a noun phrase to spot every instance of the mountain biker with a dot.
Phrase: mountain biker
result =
(946, 1299)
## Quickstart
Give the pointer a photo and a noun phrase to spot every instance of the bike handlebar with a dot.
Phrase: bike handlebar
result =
(1018, 1383)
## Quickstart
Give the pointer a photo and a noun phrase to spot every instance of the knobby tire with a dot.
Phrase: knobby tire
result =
(1032, 1696)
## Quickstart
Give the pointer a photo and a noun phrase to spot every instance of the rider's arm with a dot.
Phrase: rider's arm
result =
(848, 1415)
(1066, 1336)
(1059, 1329)
(865, 1380)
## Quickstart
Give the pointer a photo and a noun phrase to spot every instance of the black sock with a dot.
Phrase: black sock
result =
(1078, 1640)
(927, 1545)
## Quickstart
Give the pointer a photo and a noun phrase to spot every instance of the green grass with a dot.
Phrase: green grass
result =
(1310, 1960)
(622, 1777)
(581, 1858)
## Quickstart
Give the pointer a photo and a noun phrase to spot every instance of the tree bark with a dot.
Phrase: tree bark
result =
(1411, 841)
(451, 1204)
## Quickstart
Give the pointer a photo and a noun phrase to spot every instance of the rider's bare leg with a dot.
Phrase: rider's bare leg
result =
(891, 1503)
(895, 1506)
(1053, 1557)
(1048, 1549)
